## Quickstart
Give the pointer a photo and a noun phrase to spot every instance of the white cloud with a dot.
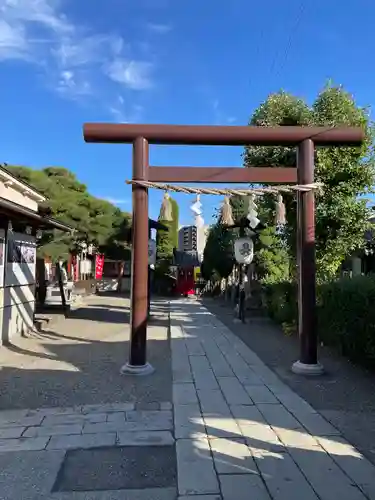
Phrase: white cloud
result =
(135, 75)
(74, 58)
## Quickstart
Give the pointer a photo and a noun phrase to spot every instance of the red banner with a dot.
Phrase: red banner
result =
(99, 264)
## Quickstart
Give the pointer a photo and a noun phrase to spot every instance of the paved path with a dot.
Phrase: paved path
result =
(241, 433)
(238, 432)
(344, 395)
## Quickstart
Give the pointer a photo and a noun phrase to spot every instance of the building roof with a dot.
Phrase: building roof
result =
(31, 217)
(7, 176)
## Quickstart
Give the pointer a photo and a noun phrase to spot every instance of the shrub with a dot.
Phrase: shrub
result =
(346, 317)
(280, 301)
(345, 313)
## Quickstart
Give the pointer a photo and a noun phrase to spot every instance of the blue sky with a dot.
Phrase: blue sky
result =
(63, 63)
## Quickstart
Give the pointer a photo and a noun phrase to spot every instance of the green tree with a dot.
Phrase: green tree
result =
(218, 255)
(347, 173)
(95, 221)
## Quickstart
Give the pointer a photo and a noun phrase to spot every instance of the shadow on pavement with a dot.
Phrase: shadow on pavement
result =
(344, 395)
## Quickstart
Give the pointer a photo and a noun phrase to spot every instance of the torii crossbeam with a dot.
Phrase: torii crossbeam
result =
(304, 138)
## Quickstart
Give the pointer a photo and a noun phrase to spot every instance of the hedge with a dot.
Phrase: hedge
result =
(345, 310)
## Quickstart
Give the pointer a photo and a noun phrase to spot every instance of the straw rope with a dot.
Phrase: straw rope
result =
(228, 191)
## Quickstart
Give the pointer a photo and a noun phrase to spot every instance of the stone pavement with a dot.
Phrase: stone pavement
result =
(233, 432)
(242, 433)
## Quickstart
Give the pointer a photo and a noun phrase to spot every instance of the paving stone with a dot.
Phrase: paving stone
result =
(278, 416)
(250, 378)
(147, 405)
(247, 414)
(53, 430)
(182, 376)
(181, 371)
(118, 426)
(317, 425)
(108, 408)
(81, 441)
(24, 444)
(176, 331)
(284, 480)
(11, 432)
(262, 437)
(204, 377)
(57, 410)
(238, 365)
(261, 394)
(146, 438)
(195, 468)
(194, 347)
(200, 497)
(232, 456)
(188, 421)
(221, 427)
(360, 470)
(160, 419)
(243, 487)
(316, 465)
(184, 394)
(218, 363)
(52, 420)
(21, 422)
(295, 404)
(205, 381)
(234, 392)
(212, 401)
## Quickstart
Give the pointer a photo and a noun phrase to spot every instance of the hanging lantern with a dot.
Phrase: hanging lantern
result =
(252, 214)
(244, 250)
(280, 211)
(151, 252)
(166, 209)
(226, 216)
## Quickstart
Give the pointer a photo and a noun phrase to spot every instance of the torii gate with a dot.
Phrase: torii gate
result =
(304, 138)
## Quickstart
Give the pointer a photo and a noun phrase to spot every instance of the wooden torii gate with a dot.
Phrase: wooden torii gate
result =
(304, 138)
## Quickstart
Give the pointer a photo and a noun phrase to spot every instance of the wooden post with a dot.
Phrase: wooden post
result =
(137, 364)
(307, 324)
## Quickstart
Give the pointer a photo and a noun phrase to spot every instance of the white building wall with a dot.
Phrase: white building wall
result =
(17, 279)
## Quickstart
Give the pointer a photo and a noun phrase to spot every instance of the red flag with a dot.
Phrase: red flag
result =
(99, 264)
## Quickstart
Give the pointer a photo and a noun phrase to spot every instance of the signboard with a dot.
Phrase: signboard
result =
(21, 259)
(99, 265)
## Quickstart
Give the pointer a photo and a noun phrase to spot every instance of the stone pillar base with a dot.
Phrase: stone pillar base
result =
(305, 369)
(128, 369)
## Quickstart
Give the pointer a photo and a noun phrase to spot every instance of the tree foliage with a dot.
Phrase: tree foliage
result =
(95, 221)
(347, 173)
(218, 256)
(167, 240)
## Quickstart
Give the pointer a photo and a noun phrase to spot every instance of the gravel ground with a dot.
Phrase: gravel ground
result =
(344, 395)
(77, 361)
